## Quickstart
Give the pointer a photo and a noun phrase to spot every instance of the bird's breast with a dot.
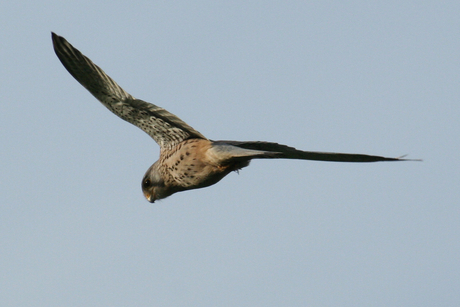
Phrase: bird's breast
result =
(188, 165)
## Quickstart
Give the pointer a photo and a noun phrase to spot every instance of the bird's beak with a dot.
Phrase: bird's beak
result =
(150, 197)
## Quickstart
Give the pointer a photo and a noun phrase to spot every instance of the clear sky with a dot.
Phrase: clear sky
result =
(355, 76)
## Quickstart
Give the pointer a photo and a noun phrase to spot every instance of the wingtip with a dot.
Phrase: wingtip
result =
(55, 38)
(401, 158)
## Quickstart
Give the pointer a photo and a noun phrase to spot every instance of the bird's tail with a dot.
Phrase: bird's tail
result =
(222, 153)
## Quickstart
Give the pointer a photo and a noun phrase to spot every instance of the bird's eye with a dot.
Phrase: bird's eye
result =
(147, 182)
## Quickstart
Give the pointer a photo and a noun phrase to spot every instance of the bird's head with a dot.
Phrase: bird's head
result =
(153, 185)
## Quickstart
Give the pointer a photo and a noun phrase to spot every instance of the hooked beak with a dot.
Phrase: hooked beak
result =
(150, 197)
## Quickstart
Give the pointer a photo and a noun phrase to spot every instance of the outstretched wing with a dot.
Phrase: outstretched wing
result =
(285, 152)
(164, 127)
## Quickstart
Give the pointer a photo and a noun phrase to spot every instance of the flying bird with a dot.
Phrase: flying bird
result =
(188, 160)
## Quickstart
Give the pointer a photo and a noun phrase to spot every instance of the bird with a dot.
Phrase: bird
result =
(188, 160)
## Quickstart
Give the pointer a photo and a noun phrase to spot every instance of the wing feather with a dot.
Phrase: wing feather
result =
(164, 127)
(285, 152)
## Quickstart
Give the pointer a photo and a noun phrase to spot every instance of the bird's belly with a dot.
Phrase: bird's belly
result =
(196, 174)
(190, 167)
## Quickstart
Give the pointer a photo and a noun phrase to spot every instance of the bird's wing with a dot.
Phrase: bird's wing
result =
(285, 152)
(164, 127)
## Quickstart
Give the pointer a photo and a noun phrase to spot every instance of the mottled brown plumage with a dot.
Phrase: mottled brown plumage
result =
(188, 160)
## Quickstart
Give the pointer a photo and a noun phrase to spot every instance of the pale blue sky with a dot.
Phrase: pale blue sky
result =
(357, 76)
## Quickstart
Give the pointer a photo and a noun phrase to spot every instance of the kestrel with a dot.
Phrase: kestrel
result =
(188, 160)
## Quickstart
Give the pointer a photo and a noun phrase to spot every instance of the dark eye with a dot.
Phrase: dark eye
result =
(147, 183)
